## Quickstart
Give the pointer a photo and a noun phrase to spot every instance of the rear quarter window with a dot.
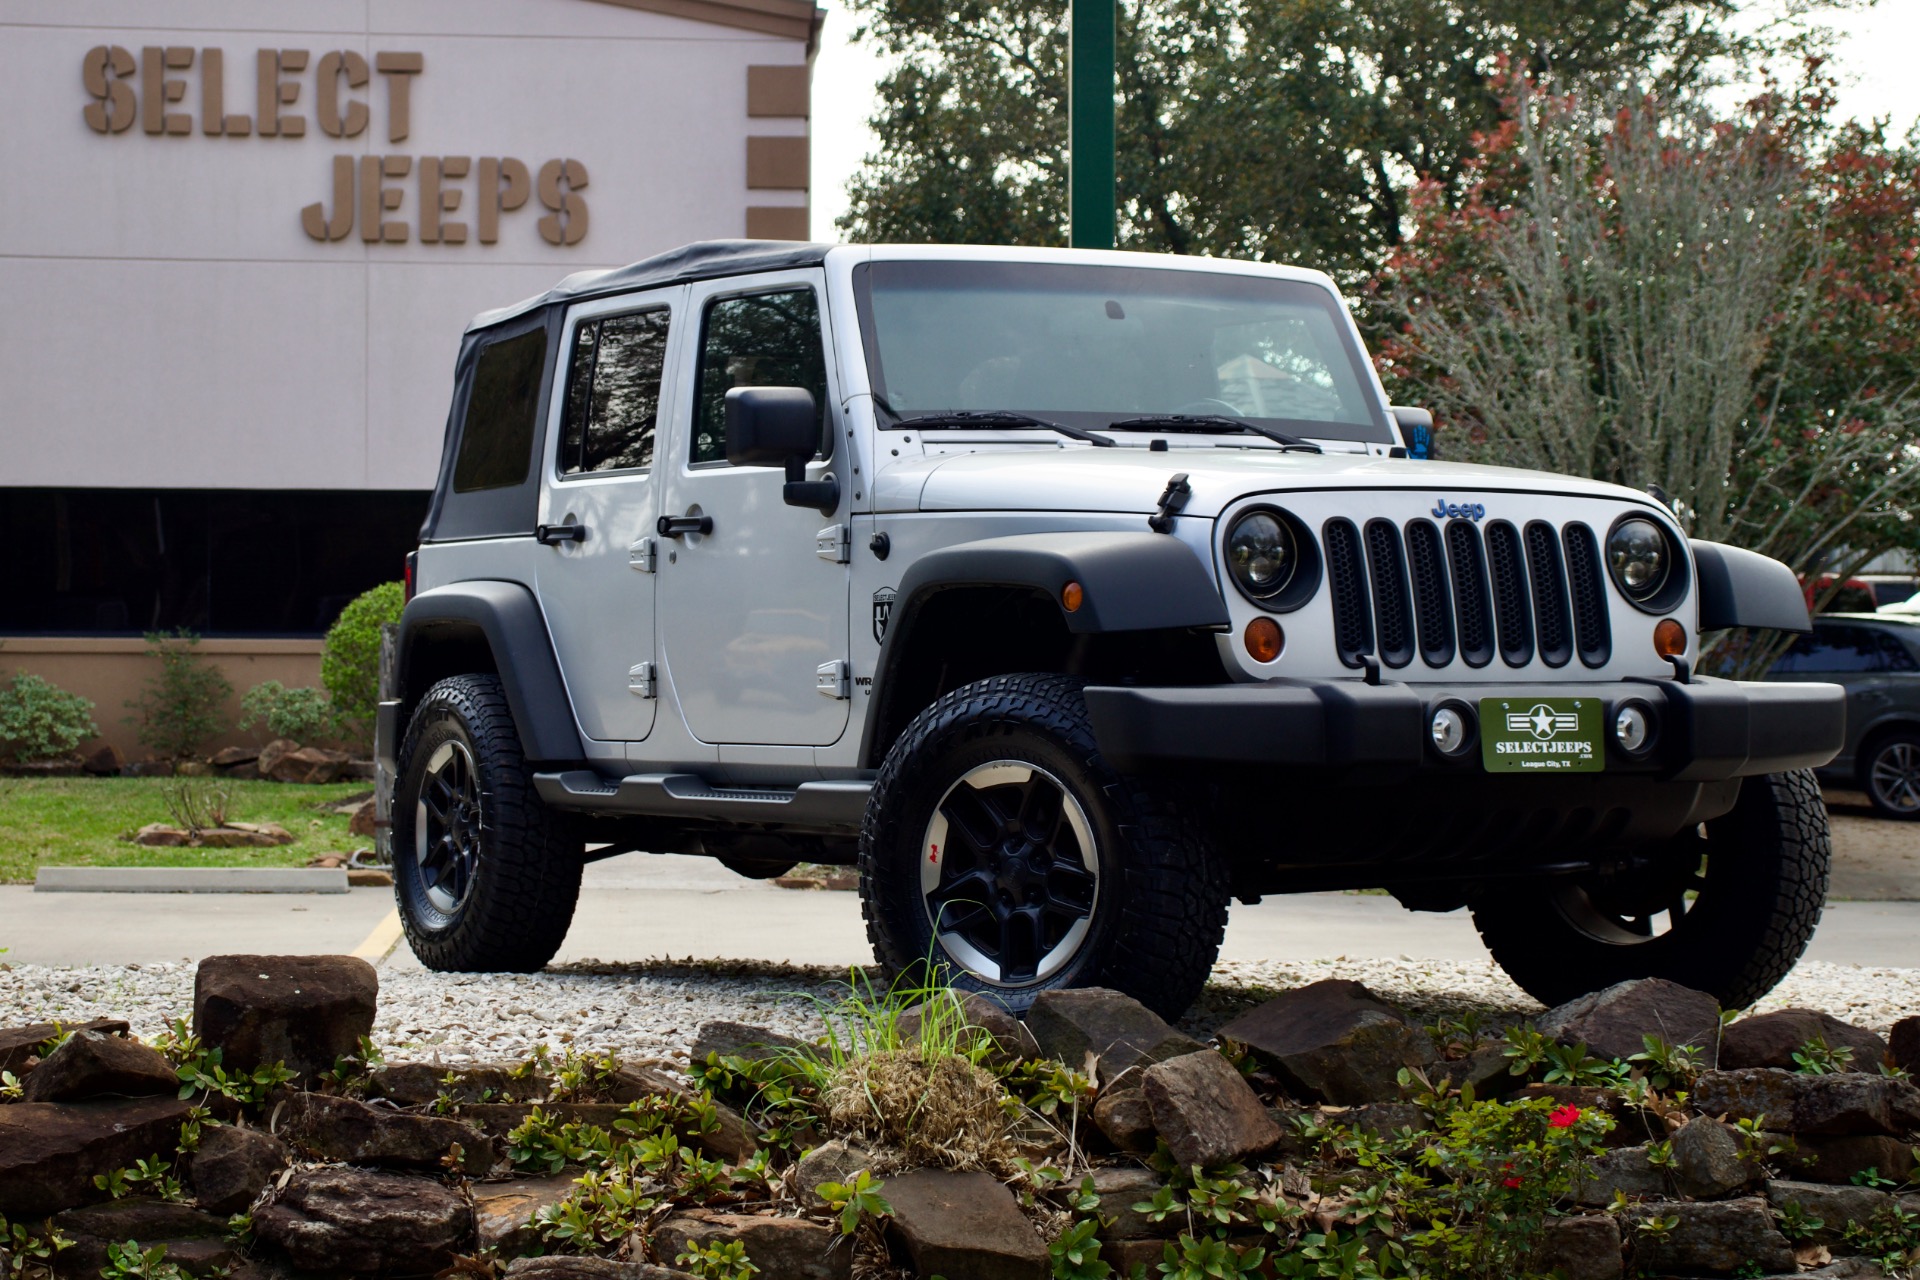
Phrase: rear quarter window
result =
(496, 439)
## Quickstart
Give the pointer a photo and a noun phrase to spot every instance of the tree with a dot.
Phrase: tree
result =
(1269, 129)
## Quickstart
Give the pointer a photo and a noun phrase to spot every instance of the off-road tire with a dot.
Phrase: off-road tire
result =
(1157, 922)
(1764, 887)
(526, 876)
(1898, 749)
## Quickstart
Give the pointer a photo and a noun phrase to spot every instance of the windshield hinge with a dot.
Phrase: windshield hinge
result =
(1172, 502)
(834, 543)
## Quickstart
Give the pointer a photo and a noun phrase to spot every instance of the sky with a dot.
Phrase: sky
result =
(1874, 58)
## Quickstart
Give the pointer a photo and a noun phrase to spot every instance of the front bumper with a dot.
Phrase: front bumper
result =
(1709, 729)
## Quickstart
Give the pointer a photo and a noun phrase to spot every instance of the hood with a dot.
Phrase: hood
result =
(1028, 478)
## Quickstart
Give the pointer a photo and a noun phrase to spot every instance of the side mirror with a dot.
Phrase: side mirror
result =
(776, 427)
(1416, 428)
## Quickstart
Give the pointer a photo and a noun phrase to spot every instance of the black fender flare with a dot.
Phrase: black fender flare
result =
(1129, 582)
(1741, 588)
(507, 617)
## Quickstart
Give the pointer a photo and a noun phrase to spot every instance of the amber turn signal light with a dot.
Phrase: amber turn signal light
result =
(1264, 639)
(1669, 639)
(1072, 596)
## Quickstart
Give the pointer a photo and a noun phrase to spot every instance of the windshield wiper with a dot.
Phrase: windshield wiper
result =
(991, 420)
(1211, 422)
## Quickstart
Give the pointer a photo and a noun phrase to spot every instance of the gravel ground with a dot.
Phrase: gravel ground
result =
(653, 1010)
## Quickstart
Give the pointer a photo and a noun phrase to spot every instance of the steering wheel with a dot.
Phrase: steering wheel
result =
(1209, 405)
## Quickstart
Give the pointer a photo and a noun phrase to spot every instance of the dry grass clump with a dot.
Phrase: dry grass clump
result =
(948, 1113)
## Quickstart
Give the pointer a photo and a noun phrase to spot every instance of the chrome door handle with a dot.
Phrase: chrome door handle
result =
(675, 526)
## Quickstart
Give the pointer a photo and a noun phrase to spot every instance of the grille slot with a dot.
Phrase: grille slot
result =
(1392, 609)
(1507, 574)
(1471, 605)
(1548, 576)
(1346, 582)
(1433, 617)
(1592, 636)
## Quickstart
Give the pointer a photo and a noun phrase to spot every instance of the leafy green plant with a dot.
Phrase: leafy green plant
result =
(1667, 1066)
(1796, 1224)
(352, 1074)
(544, 1142)
(1757, 1146)
(720, 1260)
(202, 1073)
(23, 1247)
(854, 1200)
(1208, 1258)
(197, 804)
(1525, 1050)
(1817, 1058)
(350, 657)
(179, 709)
(1572, 1064)
(1075, 1253)
(41, 721)
(10, 1087)
(606, 1206)
(1872, 1177)
(152, 1176)
(129, 1262)
(1891, 1238)
(301, 714)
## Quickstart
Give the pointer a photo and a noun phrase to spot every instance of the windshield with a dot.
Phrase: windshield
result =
(1091, 346)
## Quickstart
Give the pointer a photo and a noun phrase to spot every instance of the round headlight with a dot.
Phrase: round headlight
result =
(1639, 557)
(1261, 554)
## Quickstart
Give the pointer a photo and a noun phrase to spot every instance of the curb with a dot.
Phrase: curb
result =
(190, 880)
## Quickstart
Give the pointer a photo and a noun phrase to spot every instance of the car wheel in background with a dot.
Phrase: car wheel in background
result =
(1890, 774)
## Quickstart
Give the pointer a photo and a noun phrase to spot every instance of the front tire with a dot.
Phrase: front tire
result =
(1728, 912)
(486, 875)
(1890, 775)
(1000, 847)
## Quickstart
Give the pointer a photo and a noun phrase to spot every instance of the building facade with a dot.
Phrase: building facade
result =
(238, 245)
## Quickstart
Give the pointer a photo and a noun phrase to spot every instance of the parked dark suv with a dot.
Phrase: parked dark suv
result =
(1876, 657)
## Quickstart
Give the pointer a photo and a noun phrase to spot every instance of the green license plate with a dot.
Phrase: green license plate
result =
(1543, 735)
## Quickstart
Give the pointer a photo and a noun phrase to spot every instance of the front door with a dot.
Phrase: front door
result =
(754, 622)
(597, 572)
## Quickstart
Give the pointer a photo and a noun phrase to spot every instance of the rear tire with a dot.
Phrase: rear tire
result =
(1890, 774)
(1757, 880)
(486, 875)
(995, 814)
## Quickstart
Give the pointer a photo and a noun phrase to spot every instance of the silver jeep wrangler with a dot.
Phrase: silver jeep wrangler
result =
(1069, 595)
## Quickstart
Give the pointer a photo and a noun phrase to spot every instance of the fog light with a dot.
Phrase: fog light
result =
(1449, 730)
(1264, 639)
(1669, 639)
(1632, 728)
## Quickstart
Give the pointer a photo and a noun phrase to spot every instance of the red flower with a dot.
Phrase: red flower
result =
(1564, 1117)
(1511, 1184)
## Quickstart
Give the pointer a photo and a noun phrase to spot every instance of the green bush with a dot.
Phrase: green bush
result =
(41, 721)
(304, 715)
(180, 709)
(350, 662)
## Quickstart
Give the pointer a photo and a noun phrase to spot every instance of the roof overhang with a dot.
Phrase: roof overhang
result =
(794, 19)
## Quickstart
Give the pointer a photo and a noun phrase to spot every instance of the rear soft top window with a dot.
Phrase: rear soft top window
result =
(496, 440)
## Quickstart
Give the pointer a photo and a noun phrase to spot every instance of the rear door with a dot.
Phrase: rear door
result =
(598, 569)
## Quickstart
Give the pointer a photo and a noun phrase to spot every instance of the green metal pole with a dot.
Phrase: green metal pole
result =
(1090, 181)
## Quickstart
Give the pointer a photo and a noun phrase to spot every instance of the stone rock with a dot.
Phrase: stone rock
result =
(1715, 1238)
(1582, 1248)
(571, 1268)
(196, 1242)
(305, 1011)
(1133, 1257)
(1625, 1171)
(1485, 1069)
(1707, 1160)
(1851, 1102)
(342, 1129)
(1384, 1119)
(1121, 1188)
(963, 1226)
(21, 1045)
(1115, 1030)
(1613, 1022)
(361, 824)
(51, 1151)
(1011, 1040)
(1122, 1112)
(192, 769)
(1903, 1043)
(502, 1211)
(312, 766)
(233, 1166)
(92, 1064)
(419, 1084)
(784, 1247)
(1770, 1039)
(738, 1040)
(104, 761)
(1835, 1206)
(271, 754)
(228, 757)
(158, 835)
(338, 1219)
(1205, 1112)
(1837, 1159)
(834, 1161)
(1333, 1041)
(369, 878)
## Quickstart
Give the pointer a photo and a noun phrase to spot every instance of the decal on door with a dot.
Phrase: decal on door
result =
(882, 612)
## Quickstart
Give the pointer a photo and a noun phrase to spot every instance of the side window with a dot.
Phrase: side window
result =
(496, 440)
(765, 340)
(1834, 649)
(613, 393)
(1894, 655)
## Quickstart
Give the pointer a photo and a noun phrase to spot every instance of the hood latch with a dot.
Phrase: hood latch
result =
(1172, 503)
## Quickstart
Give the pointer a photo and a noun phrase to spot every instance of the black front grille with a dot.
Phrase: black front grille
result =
(1432, 609)
(1548, 577)
(1346, 582)
(1592, 635)
(1392, 611)
(1471, 605)
(1507, 571)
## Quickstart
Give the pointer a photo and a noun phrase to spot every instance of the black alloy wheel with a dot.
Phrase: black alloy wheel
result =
(446, 827)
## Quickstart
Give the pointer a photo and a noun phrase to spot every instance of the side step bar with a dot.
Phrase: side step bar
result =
(812, 806)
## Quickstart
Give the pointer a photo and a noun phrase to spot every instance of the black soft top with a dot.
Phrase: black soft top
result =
(702, 260)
